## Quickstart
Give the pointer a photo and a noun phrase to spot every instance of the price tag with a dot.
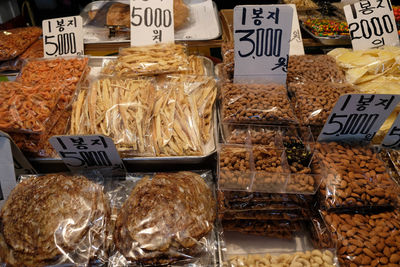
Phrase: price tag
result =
(392, 138)
(152, 22)
(357, 117)
(62, 36)
(7, 174)
(371, 24)
(88, 152)
(262, 35)
(296, 40)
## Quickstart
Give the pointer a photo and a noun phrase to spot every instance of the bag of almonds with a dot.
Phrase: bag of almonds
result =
(366, 240)
(355, 178)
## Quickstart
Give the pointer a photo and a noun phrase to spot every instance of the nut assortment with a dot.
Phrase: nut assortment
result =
(317, 258)
(356, 177)
(366, 240)
(256, 103)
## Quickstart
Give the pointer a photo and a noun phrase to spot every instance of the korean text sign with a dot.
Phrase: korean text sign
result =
(88, 152)
(152, 22)
(357, 117)
(262, 34)
(371, 24)
(63, 36)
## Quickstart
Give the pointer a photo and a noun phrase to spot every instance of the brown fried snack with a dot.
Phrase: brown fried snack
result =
(15, 41)
(164, 218)
(46, 217)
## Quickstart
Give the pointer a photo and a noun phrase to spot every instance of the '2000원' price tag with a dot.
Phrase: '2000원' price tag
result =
(262, 35)
(371, 24)
(88, 152)
(357, 117)
(152, 22)
(62, 36)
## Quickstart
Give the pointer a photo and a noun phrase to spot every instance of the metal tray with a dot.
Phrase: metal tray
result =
(328, 40)
(207, 161)
(100, 34)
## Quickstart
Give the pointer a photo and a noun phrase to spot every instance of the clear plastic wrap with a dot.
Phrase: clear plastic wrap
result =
(167, 218)
(315, 101)
(196, 66)
(27, 109)
(256, 103)
(118, 108)
(321, 236)
(182, 122)
(370, 68)
(264, 215)
(366, 240)
(356, 178)
(54, 219)
(283, 163)
(15, 41)
(150, 60)
(314, 68)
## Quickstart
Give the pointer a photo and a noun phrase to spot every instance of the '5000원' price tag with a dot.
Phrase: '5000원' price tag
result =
(62, 36)
(262, 35)
(357, 117)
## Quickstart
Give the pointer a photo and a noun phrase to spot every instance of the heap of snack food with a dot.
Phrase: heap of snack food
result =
(163, 218)
(46, 89)
(327, 27)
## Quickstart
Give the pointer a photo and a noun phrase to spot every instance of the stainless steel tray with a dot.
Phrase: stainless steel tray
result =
(207, 160)
(328, 40)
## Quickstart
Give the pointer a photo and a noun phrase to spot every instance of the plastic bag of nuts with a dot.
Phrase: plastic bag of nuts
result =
(315, 258)
(289, 215)
(321, 236)
(366, 240)
(314, 101)
(270, 136)
(314, 68)
(355, 177)
(234, 167)
(256, 103)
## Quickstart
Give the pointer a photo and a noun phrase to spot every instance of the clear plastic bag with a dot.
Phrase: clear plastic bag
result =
(54, 219)
(314, 68)
(256, 103)
(264, 215)
(15, 41)
(321, 236)
(356, 178)
(366, 240)
(166, 218)
(152, 59)
(27, 109)
(183, 115)
(118, 108)
(315, 101)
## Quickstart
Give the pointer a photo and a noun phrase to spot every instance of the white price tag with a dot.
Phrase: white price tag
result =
(296, 40)
(392, 138)
(7, 174)
(88, 152)
(371, 24)
(357, 117)
(262, 35)
(63, 36)
(152, 22)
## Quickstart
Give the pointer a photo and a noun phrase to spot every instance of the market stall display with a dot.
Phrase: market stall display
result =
(15, 41)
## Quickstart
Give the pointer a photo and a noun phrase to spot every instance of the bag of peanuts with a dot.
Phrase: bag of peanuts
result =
(256, 103)
(314, 101)
(314, 68)
(355, 177)
(366, 240)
